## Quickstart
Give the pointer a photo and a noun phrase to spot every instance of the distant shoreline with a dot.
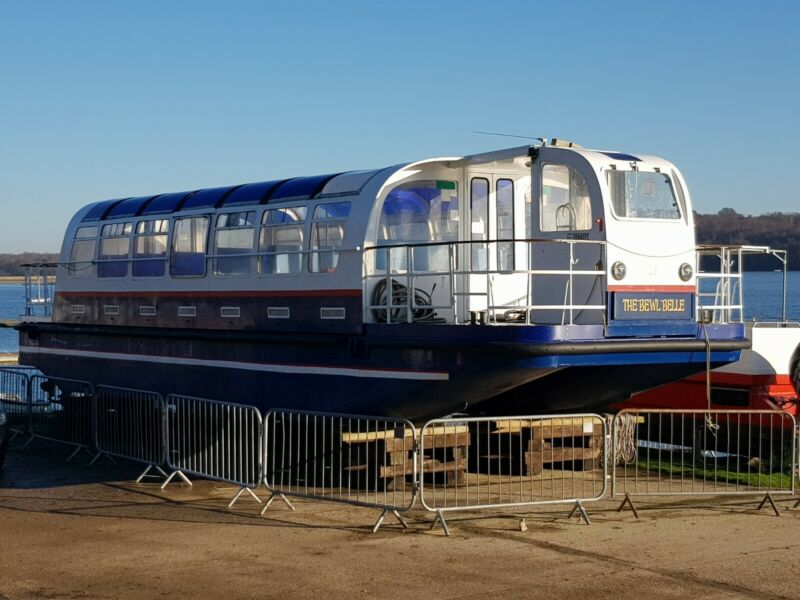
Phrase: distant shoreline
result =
(11, 279)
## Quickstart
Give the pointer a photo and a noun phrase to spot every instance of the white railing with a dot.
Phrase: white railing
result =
(400, 282)
(720, 293)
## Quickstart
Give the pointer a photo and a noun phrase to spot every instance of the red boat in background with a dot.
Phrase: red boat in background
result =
(765, 377)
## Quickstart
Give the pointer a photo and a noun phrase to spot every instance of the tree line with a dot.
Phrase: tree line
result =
(11, 264)
(778, 230)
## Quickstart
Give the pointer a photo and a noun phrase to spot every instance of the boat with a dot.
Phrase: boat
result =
(766, 376)
(545, 276)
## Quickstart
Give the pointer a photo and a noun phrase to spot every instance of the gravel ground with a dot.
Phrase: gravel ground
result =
(74, 531)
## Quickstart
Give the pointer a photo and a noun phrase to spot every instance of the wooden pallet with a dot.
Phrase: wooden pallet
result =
(573, 443)
(444, 452)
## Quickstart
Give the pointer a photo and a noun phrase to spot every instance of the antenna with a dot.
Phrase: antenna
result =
(522, 137)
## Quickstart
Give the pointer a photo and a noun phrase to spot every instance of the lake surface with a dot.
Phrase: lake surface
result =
(12, 305)
(762, 301)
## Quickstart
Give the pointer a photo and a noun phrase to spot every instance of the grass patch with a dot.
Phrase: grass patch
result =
(773, 481)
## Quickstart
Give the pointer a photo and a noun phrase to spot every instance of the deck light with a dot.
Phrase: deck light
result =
(618, 270)
(685, 272)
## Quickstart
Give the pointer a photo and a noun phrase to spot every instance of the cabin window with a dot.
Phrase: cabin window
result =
(418, 212)
(115, 245)
(504, 193)
(479, 212)
(150, 248)
(327, 234)
(281, 241)
(188, 256)
(82, 252)
(642, 195)
(234, 238)
(564, 203)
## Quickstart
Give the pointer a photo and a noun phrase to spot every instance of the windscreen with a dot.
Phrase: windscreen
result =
(642, 195)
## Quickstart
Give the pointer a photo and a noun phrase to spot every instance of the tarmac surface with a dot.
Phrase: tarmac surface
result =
(77, 532)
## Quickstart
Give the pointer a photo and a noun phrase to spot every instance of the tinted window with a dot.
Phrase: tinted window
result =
(281, 242)
(188, 256)
(234, 237)
(327, 234)
(150, 248)
(115, 244)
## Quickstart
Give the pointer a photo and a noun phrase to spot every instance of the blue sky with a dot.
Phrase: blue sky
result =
(110, 99)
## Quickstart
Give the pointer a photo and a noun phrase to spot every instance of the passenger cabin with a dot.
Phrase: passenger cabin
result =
(534, 235)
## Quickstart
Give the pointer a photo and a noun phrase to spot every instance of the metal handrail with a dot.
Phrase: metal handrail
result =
(455, 274)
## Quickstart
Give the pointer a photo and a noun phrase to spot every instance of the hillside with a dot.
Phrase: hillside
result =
(778, 230)
(10, 263)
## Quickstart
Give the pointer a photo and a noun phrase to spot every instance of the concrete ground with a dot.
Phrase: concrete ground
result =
(74, 531)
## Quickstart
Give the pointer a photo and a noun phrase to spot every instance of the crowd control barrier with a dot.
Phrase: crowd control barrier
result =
(501, 462)
(214, 440)
(15, 396)
(659, 452)
(358, 460)
(61, 411)
(130, 424)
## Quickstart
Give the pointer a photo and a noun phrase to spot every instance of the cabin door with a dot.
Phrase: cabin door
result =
(490, 255)
(566, 209)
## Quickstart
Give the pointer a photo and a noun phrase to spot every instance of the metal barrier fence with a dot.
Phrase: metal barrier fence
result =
(130, 424)
(499, 462)
(214, 440)
(364, 461)
(702, 452)
(60, 410)
(15, 396)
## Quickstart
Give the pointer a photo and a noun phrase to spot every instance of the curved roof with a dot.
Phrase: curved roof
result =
(279, 190)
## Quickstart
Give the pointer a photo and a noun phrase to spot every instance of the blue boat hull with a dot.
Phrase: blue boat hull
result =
(404, 372)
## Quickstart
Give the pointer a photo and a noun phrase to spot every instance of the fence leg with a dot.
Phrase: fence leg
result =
(768, 498)
(172, 475)
(629, 502)
(75, 452)
(796, 504)
(147, 470)
(440, 519)
(272, 497)
(99, 454)
(578, 508)
(383, 514)
(242, 491)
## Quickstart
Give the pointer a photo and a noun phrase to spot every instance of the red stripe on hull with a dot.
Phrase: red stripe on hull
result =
(652, 288)
(220, 294)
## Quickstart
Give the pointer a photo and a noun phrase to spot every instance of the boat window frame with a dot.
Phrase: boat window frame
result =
(315, 252)
(264, 228)
(505, 242)
(678, 204)
(475, 248)
(88, 266)
(246, 256)
(114, 266)
(172, 241)
(572, 169)
(140, 261)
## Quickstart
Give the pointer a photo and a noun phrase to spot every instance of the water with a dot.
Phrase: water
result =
(12, 305)
(762, 301)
